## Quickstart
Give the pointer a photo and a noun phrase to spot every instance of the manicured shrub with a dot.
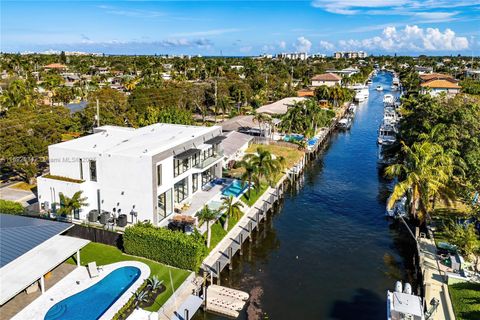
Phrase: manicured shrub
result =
(173, 248)
(10, 207)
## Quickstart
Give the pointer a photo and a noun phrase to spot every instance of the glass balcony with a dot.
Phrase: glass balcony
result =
(205, 163)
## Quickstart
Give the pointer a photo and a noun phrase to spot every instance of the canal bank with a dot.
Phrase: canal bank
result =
(328, 252)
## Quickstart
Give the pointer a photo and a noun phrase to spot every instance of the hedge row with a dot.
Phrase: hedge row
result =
(173, 248)
(10, 207)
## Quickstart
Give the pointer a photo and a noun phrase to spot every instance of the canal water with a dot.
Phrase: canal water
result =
(329, 252)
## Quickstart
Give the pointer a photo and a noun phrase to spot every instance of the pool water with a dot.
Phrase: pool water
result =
(94, 301)
(293, 137)
(235, 189)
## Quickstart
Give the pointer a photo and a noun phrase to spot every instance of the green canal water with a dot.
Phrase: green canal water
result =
(328, 252)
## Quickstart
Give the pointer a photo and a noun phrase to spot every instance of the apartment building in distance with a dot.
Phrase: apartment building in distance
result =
(350, 54)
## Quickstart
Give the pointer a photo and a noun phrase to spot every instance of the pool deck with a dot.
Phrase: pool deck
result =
(68, 286)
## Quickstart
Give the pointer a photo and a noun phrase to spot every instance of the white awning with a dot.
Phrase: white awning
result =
(31, 266)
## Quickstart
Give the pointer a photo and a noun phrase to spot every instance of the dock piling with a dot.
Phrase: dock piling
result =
(241, 242)
(250, 231)
(230, 254)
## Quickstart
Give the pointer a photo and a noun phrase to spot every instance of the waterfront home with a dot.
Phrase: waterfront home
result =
(234, 146)
(134, 174)
(306, 92)
(435, 87)
(326, 79)
(31, 255)
(55, 66)
(437, 76)
(246, 124)
(279, 107)
(423, 70)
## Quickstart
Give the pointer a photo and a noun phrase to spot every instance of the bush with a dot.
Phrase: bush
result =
(166, 246)
(10, 207)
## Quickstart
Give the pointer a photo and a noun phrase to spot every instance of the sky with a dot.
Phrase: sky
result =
(232, 28)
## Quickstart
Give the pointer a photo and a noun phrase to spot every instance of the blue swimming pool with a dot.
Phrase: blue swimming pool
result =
(94, 301)
(235, 189)
(293, 137)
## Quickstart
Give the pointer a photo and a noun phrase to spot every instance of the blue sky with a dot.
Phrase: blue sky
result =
(242, 27)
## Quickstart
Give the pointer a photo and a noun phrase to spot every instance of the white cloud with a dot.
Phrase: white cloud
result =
(282, 44)
(302, 44)
(424, 9)
(326, 45)
(410, 38)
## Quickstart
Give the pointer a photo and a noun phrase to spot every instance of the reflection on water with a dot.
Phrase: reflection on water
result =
(329, 252)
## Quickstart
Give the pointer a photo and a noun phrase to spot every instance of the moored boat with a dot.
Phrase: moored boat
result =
(345, 123)
(403, 305)
(379, 88)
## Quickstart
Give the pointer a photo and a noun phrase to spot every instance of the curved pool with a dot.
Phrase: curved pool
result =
(94, 301)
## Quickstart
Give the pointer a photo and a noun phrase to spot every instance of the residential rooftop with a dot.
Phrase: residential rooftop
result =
(440, 84)
(326, 77)
(149, 140)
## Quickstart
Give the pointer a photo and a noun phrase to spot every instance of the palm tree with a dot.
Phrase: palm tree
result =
(232, 209)
(261, 118)
(68, 205)
(207, 215)
(425, 174)
(265, 162)
(250, 174)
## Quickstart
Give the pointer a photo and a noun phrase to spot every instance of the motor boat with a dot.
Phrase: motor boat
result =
(399, 208)
(361, 92)
(352, 108)
(387, 134)
(388, 99)
(379, 88)
(403, 305)
(345, 123)
(390, 116)
(369, 82)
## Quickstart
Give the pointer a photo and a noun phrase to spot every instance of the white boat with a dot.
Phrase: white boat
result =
(399, 208)
(387, 134)
(369, 81)
(388, 99)
(403, 305)
(379, 88)
(345, 123)
(352, 108)
(361, 92)
(390, 116)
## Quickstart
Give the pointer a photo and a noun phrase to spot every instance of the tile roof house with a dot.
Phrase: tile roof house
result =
(436, 86)
(327, 79)
(55, 66)
(437, 76)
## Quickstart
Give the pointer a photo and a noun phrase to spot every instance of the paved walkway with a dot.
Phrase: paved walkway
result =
(434, 280)
(17, 195)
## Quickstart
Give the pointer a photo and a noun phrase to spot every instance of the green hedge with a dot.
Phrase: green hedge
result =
(173, 248)
(10, 207)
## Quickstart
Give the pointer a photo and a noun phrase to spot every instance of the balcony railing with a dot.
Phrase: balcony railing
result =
(205, 163)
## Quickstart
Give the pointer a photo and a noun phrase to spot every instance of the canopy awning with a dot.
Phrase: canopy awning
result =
(187, 153)
(215, 140)
(31, 266)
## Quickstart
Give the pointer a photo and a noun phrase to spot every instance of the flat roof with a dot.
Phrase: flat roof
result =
(18, 235)
(126, 141)
(31, 266)
(234, 140)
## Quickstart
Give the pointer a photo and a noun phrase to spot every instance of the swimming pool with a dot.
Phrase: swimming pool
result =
(94, 301)
(235, 189)
(293, 137)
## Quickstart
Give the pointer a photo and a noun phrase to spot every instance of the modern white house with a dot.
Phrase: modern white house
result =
(142, 173)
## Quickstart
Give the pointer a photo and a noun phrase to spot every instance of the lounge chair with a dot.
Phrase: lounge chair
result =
(93, 270)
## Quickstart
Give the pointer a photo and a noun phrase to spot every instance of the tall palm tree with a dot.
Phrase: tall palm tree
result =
(261, 118)
(68, 205)
(265, 162)
(232, 209)
(424, 174)
(207, 215)
(250, 174)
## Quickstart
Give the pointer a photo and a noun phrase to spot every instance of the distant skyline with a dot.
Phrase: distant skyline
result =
(405, 27)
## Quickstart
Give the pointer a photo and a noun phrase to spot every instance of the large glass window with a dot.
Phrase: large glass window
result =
(164, 204)
(159, 175)
(93, 170)
(181, 190)
(180, 166)
(195, 182)
(81, 168)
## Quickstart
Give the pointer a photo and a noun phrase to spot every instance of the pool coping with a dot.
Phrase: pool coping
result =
(68, 286)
